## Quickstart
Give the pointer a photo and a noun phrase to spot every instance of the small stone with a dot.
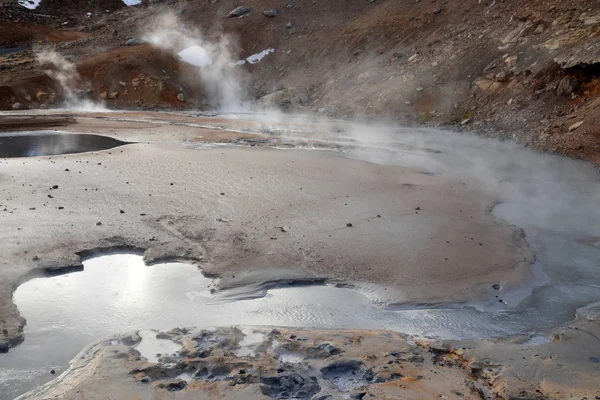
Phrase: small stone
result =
(289, 25)
(103, 95)
(222, 194)
(121, 212)
(16, 106)
(98, 223)
(270, 13)
(349, 225)
(496, 286)
(55, 187)
(238, 12)
(378, 216)
(181, 97)
(35, 258)
(397, 55)
(61, 208)
(52, 371)
(420, 89)
(418, 209)
(113, 95)
(437, 11)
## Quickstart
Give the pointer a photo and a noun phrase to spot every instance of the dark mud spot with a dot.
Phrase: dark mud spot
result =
(34, 144)
(290, 385)
(345, 375)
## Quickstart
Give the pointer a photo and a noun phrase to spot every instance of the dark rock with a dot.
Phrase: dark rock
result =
(567, 86)
(52, 371)
(496, 286)
(349, 225)
(437, 11)
(98, 223)
(418, 209)
(270, 13)
(238, 12)
(134, 42)
(4, 346)
(121, 212)
(55, 187)
(595, 360)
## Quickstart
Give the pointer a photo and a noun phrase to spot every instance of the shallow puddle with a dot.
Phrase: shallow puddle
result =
(42, 143)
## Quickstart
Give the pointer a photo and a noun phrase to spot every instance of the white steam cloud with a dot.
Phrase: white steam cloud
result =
(65, 74)
(222, 82)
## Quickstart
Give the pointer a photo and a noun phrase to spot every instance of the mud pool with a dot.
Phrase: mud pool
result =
(49, 143)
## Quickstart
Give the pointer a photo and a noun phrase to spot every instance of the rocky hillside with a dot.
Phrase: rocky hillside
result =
(528, 71)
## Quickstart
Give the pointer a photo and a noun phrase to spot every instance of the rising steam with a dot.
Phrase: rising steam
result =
(222, 81)
(65, 74)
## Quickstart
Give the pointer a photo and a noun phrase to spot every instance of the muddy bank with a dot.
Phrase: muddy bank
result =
(263, 363)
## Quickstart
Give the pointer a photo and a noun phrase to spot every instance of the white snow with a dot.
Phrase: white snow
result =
(255, 58)
(195, 55)
(31, 4)
(132, 2)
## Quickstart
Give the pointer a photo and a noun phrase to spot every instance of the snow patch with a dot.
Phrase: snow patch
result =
(132, 2)
(31, 4)
(255, 58)
(195, 55)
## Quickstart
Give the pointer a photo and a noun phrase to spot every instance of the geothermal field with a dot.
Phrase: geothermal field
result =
(206, 200)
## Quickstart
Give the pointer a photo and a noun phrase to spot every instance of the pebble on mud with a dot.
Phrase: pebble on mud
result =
(121, 212)
(349, 225)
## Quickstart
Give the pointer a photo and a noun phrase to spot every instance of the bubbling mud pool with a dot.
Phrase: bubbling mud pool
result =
(119, 293)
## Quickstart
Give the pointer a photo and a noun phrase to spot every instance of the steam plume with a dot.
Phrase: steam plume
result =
(222, 81)
(65, 74)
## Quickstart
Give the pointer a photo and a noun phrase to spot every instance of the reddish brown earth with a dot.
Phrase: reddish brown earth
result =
(490, 67)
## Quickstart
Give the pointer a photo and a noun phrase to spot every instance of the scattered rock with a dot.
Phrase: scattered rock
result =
(103, 96)
(437, 11)
(98, 223)
(113, 95)
(16, 106)
(289, 25)
(52, 371)
(349, 225)
(27, 97)
(55, 187)
(270, 13)
(488, 86)
(181, 97)
(496, 286)
(238, 12)
(575, 126)
(121, 212)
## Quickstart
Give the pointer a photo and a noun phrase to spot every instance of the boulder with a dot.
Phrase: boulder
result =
(270, 13)
(567, 86)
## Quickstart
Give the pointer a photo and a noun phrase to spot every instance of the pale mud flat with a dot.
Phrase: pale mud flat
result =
(254, 215)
